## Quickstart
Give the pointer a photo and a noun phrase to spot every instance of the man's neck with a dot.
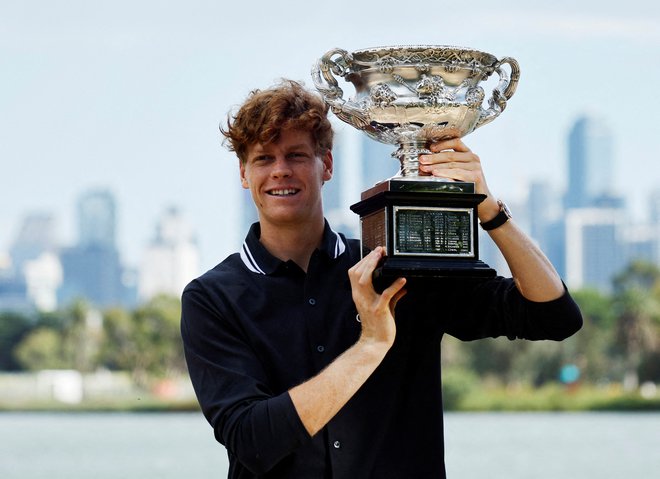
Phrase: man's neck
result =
(295, 242)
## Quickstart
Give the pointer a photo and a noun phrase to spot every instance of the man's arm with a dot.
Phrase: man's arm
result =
(534, 275)
(320, 398)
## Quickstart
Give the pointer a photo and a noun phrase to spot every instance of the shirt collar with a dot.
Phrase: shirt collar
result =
(258, 260)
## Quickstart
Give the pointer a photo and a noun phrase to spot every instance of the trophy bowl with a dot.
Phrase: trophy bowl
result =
(412, 95)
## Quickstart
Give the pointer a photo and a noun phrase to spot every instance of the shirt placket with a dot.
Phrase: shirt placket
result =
(316, 308)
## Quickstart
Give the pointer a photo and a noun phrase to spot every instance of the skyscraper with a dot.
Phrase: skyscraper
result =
(92, 268)
(97, 219)
(594, 247)
(172, 258)
(35, 271)
(37, 235)
(590, 162)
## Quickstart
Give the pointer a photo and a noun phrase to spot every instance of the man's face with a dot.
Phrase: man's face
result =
(285, 179)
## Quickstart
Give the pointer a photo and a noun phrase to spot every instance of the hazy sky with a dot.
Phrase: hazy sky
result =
(128, 95)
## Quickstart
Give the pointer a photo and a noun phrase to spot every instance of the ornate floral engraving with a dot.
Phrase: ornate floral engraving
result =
(382, 95)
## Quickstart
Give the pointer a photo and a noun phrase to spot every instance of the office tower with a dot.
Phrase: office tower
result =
(37, 235)
(594, 249)
(546, 223)
(590, 162)
(97, 219)
(34, 273)
(171, 260)
(43, 277)
(92, 268)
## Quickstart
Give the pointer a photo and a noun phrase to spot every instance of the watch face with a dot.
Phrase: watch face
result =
(504, 208)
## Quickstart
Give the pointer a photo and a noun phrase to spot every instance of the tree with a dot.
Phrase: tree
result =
(13, 328)
(42, 349)
(591, 348)
(637, 306)
(146, 342)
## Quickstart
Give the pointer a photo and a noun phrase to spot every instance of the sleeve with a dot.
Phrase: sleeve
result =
(496, 308)
(257, 427)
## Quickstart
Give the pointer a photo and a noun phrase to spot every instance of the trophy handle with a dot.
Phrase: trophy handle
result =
(326, 83)
(502, 92)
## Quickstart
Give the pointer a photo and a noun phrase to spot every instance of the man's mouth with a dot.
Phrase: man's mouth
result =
(283, 192)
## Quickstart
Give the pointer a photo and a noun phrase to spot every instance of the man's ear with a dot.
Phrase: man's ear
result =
(244, 181)
(327, 165)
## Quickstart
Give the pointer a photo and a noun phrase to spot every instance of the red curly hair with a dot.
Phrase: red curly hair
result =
(265, 113)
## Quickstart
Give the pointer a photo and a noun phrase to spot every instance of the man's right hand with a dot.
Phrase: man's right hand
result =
(376, 310)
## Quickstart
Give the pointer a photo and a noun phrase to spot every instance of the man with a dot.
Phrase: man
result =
(300, 366)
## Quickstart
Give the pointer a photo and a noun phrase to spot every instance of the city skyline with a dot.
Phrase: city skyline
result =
(129, 97)
(584, 231)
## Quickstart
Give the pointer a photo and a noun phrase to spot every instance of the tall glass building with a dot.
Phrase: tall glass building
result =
(590, 162)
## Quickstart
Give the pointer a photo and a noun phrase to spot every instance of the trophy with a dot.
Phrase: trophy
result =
(411, 96)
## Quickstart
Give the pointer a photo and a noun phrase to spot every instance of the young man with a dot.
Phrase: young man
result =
(300, 366)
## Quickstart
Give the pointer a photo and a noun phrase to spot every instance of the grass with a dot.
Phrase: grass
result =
(554, 397)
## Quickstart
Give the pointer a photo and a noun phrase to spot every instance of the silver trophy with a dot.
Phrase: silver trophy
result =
(411, 96)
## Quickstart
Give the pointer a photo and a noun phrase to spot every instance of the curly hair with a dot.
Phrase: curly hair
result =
(265, 113)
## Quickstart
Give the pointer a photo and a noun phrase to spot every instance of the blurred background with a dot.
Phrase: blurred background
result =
(116, 190)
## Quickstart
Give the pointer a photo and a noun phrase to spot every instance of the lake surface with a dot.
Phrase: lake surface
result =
(181, 445)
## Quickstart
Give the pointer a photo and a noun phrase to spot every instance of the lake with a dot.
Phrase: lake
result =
(478, 446)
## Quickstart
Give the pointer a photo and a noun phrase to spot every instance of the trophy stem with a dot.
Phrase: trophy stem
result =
(408, 155)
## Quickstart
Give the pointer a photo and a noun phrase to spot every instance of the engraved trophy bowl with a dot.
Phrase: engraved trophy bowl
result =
(411, 95)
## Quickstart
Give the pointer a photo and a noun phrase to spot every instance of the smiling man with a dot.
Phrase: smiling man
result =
(302, 369)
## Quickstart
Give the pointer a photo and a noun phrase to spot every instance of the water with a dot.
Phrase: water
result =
(479, 445)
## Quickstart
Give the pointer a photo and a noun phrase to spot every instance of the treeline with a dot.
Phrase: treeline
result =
(145, 341)
(619, 343)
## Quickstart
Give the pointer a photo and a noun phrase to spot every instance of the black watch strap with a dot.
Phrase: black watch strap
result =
(501, 218)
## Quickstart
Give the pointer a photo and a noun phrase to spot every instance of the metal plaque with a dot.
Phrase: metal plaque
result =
(433, 231)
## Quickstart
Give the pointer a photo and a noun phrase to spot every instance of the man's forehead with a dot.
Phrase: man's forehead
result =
(294, 140)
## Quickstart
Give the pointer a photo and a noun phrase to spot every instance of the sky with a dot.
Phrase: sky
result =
(128, 96)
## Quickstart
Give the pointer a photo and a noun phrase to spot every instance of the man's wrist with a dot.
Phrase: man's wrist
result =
(503, 215)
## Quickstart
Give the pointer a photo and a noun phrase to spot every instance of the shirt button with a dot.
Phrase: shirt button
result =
(320, 348)
(312, 301)
(337, 444)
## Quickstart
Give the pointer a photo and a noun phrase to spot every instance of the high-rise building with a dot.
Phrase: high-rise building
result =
(97, 219)
(594, 248)
(36, 236)
(33, 273)
(590, 162)
(92, 269)
(171, 260)
(546, 224)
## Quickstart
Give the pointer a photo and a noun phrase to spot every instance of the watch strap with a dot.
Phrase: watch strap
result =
(501, 218)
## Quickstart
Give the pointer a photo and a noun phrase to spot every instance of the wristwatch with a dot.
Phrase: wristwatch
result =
(501, 218)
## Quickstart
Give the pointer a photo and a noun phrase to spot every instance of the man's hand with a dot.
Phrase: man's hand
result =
(453, 159)
(376, 310)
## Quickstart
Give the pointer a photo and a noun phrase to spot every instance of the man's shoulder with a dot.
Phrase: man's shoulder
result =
(227, 272)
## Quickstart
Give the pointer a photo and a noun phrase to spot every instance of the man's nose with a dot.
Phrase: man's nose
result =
(281, 167)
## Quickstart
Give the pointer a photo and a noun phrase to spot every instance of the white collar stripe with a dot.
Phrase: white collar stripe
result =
(340, 247)
(249, 260)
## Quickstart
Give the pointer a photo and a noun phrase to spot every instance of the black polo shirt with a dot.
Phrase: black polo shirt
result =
(254, 327)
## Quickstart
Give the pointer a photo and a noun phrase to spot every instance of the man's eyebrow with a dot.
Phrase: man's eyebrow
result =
(298, 146)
